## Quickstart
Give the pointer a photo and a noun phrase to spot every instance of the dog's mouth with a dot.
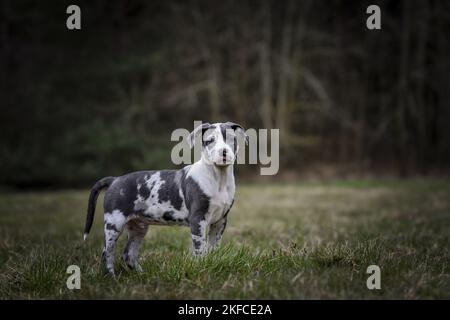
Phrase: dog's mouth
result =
(223, 161)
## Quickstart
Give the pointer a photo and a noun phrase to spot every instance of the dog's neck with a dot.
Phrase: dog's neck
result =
(219, 177)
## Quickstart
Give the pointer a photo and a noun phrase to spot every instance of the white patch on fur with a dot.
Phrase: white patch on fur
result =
(116, 218)
(203, 227)
(154, 208)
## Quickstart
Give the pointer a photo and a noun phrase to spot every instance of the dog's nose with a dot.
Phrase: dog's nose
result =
(224, 153)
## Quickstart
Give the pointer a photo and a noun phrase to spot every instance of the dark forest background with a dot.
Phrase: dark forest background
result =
(79, 105)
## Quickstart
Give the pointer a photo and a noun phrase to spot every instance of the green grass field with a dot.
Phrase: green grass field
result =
(309, 240)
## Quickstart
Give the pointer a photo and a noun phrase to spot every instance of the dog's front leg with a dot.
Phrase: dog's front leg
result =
(215, 233)
(199, 227)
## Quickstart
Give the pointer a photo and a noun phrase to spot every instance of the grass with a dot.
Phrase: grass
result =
(295, 241)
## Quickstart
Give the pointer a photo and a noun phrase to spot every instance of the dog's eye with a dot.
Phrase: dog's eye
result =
(208, 141)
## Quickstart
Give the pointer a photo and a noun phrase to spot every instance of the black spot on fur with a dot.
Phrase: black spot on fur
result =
(168, 216)
(170, 189)
(110, 226)
(144, 191)
(197, 243)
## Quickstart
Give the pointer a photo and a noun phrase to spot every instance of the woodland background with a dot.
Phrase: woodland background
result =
(80, 105)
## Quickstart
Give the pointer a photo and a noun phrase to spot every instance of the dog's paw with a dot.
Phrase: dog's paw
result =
(110, 274)
(138, 268)
(135, 266)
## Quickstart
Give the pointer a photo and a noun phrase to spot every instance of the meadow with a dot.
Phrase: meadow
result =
(283, 241)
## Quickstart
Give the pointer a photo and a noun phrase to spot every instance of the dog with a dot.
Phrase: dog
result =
(198, 196)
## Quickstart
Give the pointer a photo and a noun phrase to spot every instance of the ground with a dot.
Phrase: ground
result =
(294, 241)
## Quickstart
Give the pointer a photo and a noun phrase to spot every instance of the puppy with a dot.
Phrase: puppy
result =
(198, 196)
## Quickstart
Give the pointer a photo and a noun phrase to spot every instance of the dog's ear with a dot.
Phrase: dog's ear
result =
(201, 129)
(238, 129)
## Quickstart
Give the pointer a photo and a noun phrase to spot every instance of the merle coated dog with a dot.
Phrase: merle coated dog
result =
(199, 196)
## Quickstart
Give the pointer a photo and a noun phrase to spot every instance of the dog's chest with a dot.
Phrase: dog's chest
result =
(220, 203)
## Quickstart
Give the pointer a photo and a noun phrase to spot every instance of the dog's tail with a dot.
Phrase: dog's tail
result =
(98, 186)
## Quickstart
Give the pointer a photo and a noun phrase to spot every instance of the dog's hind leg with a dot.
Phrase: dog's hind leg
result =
(114, 224)
(136, 232)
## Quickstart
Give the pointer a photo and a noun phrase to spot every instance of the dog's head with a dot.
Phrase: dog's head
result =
(219, 141)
